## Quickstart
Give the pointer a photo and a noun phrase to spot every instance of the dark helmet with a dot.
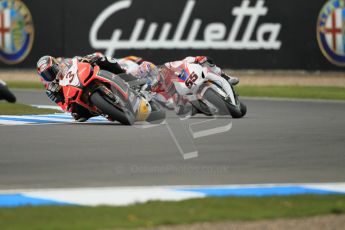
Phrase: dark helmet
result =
(48, 68)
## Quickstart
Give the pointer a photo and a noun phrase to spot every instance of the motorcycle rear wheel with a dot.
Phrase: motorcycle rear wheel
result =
(108, 109)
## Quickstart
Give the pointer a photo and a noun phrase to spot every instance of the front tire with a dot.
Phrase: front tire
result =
(109, 109)
(243, 109)
(216, 100)
(224, 107)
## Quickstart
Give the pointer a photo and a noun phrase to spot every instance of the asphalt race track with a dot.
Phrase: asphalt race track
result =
(279, 141)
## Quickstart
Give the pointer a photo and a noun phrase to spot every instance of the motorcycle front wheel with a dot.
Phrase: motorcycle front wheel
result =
(243, 109)
(224, 108)
(109, 109)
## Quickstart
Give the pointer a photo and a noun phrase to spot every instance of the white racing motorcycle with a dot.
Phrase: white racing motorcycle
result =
(208, 92)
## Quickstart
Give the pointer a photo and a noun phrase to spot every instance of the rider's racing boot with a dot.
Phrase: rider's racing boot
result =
(81, 114)
(231, 80)
(80, 118)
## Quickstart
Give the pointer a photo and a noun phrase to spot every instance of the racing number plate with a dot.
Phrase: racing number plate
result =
(191, 80)
(71, 78)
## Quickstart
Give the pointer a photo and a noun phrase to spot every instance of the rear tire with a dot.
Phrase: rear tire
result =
(108, 109)
(6, 94)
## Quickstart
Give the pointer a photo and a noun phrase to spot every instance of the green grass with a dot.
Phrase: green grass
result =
(169, 213)
(20, 109)
(304, 92)
(24, 84)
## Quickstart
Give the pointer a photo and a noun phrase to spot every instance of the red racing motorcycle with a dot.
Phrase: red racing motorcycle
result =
(104, 93)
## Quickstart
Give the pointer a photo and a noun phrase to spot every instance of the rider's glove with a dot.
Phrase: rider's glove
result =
(223, 74)
(204, 60)
(55, 97)
(93, 58)
(53, 87)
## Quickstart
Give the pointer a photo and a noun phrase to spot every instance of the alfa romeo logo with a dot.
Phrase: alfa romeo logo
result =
(16, 31)
(331, 31)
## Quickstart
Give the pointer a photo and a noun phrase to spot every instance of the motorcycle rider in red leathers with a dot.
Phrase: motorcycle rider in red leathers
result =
(51, 69)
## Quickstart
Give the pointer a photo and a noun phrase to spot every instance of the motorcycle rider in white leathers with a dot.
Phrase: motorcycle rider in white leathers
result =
(158, 77)
(171, 70)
